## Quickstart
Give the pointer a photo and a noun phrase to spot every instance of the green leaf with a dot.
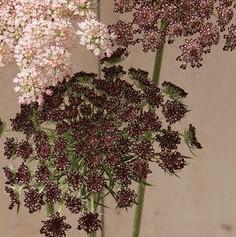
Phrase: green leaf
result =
(109, 174)
(147, 184)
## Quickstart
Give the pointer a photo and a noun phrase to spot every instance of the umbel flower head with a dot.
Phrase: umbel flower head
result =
(91, 135)
(40, 36)
(201, 23)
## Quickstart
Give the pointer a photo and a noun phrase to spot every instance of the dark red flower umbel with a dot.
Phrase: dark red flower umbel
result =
(91, 135)
(55, 226)
(89, 222)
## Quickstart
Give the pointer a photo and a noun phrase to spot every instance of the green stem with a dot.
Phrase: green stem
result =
(103, 215)
(92, 208)
(92, 203)
(157, 66)
(50, 209)
(139, 210)
(93, 234)
(141, 185)
(99, 70)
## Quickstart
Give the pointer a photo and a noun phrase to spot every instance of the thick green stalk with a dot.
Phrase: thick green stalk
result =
(157, 66)
(92, 208)
(139, 210)
(99, 70)
(103, 216)
(141, 185)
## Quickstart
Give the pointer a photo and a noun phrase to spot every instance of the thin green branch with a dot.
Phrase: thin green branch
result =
(50, 209)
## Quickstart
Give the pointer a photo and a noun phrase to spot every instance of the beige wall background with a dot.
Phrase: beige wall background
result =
(202, 202)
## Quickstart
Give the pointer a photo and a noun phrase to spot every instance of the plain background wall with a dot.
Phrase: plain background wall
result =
(199, 204)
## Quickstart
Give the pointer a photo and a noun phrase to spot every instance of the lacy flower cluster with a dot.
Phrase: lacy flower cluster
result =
(91, 138)
(200, 22)
(39, 36)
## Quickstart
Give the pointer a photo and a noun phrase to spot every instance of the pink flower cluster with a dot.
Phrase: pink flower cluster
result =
(39, 36)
